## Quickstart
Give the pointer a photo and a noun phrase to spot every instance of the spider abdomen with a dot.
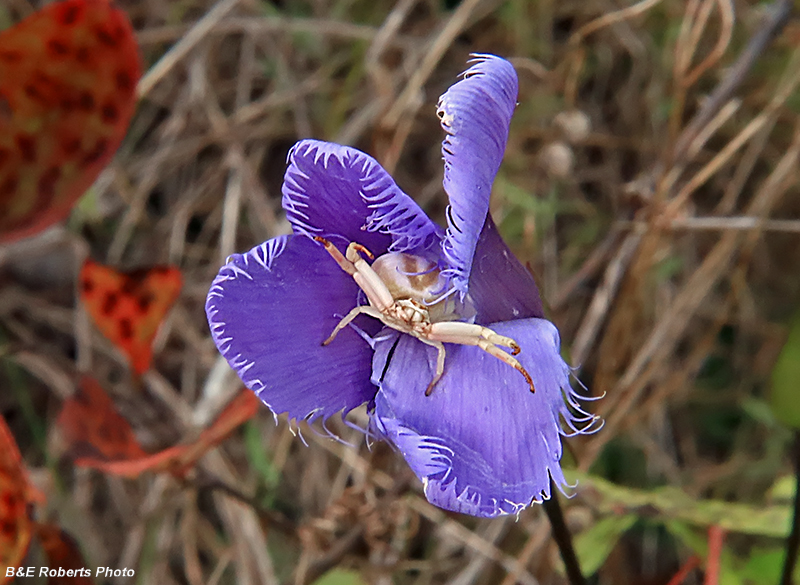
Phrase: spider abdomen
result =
(409, 277)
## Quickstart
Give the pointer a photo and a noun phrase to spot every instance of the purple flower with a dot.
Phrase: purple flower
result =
(480, 439)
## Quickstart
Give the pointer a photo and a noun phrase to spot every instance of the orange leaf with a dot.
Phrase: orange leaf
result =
(132, 468)
(178, 459)
(15, 523)
(101, 439)
(128, 307)
(68, 77)
(63, 554)
(94, 429)
(241, 409)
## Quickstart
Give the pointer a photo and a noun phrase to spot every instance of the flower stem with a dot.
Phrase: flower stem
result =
(793, 542)
(563, 538)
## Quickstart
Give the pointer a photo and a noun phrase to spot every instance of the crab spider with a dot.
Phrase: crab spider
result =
(401, 289)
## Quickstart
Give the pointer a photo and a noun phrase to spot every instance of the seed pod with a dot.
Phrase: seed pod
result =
(575, 125)
(557, 159)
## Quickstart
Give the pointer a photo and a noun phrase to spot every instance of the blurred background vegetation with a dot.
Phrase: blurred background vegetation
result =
(657, 211)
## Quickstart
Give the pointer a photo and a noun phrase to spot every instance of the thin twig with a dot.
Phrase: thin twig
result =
(207, 480)
(777, 18)
(726, 15)
(612, 18)
(594, 263)
(603, 297)
(716, 538)
(258, 26)
(184, 46)
(736, 223)
(432, 56)
(672, 325)
(690, 565)
(784, 91)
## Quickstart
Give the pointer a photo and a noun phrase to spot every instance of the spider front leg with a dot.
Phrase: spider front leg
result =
(379, 297)
(484, 338)
(366, 278)
(439, 361)
(360, 310)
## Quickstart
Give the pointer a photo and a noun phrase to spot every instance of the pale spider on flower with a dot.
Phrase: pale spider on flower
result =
(482, 443)
(402, 293)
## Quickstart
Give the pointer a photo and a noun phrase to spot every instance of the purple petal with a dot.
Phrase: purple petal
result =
(500, 287)
(475, 113)
(341, 193)
(269, 311)
(482, 443)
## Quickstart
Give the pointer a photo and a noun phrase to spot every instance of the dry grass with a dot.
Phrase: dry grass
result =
(668, 254)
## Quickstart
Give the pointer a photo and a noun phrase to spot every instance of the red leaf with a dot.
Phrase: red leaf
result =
(62, 553)
(179, 459)
(15, 523)
(94, 429)
(68, 77)
(129, 307)
(241, 409)
(101, 439)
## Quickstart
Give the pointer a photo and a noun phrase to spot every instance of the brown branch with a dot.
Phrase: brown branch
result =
(777, 18)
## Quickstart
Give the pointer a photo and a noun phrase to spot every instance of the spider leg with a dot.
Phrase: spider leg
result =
(343, 262)
(354, 248)
(483, 337)
(366, 278)
(504, 357)
(439, 362)
(361, 309)
(495, 339)
(376, 290)
(470, 334)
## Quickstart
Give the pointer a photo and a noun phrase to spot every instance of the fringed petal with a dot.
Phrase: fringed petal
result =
(269, 311)
(342, 194)
(475, 113)
(481, 443)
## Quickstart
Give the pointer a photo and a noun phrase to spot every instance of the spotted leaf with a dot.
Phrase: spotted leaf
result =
(68, 77)
(128, 307)
(15, 523)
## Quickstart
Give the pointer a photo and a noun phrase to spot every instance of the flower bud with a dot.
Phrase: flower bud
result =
(575, 125)
(557, 159)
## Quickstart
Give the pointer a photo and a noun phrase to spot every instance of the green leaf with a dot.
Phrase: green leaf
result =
(783, 489)
(764, 566)
(689, 536)
(670, 503)
(785, 397)
(595, 544)
(87, 210)
(259, 460)
(760, 411)
(340, 577)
